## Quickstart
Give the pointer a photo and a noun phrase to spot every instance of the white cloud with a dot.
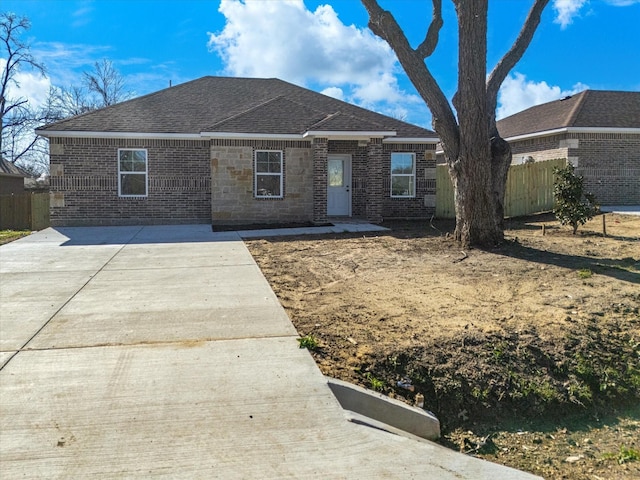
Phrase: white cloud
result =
(517, 94)
(335, 92)
(567, 10)
(28, 85)
(622, 3)
(82, 15)
(284, 39)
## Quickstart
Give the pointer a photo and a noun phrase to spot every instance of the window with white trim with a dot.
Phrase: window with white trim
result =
(132, 172)
(268, 174)
(403, 175)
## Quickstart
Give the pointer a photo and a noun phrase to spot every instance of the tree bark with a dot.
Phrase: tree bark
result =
(477, 158)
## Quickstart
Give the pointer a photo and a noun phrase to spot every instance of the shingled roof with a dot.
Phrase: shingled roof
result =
(588, 109)
(11, 169)
(211, 105)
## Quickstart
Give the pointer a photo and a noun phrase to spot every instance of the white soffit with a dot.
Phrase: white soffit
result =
(347, 135)
(81, 134)
(556, 131)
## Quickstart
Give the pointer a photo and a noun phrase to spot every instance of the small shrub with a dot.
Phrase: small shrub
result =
(309, 342)
(585, 273)
(573, 205)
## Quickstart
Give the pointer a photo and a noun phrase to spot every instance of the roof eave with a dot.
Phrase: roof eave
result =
(140, 135)
(411, 140)
(556, 131)
(348, 134)
(252, 136)
(387, 136)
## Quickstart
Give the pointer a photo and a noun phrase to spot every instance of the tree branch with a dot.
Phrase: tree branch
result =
(383, 24)
(427, 47)
(511, 58)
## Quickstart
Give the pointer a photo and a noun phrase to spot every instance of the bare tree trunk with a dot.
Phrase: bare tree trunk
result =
(471, 171)
(478, 159)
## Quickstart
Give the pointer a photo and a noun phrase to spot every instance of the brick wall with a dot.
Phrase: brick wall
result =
(610, 165)
(320, 150)
(213, 181)
(541, 148)
(609, 162)
(232, 179)
(423, 205)
(371, 180)
(84, 182)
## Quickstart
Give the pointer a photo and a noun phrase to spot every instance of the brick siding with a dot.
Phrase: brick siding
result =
(200, 181)
(609, 162)
(84, 182)
(423, 204)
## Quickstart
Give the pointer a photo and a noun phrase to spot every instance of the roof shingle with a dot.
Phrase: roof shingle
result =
(590, 108)
(240, 105)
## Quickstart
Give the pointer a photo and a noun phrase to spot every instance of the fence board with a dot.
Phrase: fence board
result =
(445, 207)
(529, 189)
(24, 211)
(40, 211)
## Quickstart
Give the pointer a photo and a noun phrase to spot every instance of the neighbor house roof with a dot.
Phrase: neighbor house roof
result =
(224, 106)
(8, 168)
(588, 110)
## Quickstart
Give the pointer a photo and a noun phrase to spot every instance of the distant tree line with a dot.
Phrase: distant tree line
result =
(100, 87)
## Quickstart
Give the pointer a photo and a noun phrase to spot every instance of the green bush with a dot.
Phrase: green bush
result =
(573, 206)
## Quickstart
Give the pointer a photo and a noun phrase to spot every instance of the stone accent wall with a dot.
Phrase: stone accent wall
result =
(609, 162)
(84, 182)
(232, 178)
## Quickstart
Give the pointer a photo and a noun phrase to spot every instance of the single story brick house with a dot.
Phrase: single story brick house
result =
(237, 151)
(597, 131)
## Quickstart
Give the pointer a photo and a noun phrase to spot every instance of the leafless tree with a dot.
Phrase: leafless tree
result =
(19, 118)
(72, 101)
(106, 83)
(477, 157)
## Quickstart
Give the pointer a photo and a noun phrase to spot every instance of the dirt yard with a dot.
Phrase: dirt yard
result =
(528, 353)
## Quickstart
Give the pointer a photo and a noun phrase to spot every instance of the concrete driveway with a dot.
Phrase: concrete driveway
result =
(162, 352)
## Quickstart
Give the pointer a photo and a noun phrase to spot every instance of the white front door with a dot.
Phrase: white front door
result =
(339, 185)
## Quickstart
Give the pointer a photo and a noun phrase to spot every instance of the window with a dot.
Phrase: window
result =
(268, 174)
(132, 172)
(403, 175)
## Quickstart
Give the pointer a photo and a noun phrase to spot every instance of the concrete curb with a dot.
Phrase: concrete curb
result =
(384, 413)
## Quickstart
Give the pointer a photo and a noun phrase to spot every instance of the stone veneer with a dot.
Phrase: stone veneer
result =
(232, 181)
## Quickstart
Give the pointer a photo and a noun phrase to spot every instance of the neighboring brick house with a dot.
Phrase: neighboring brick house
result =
(237, 151)
(597, 131)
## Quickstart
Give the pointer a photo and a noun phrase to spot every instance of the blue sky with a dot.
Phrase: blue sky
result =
(326, 46)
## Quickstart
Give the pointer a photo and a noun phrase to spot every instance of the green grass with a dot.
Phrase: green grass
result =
(7, 236)
(376, 384)
(625, 455)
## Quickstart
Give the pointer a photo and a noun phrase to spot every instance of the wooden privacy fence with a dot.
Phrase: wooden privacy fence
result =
(529, 189)
(24, 211)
